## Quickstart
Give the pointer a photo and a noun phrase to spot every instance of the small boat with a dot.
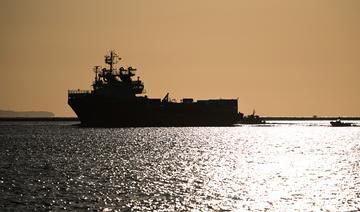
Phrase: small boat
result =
(252, 119)
(339, 123)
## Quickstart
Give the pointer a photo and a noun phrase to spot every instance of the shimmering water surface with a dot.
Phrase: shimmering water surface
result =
(284, 166)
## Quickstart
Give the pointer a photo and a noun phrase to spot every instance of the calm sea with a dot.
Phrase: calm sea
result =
(283, 166)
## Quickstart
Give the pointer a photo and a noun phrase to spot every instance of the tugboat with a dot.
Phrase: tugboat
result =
(252, 119)
(339, 123)
(117, 100)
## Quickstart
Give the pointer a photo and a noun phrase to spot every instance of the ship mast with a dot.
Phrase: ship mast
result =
(96, 71)
(111, 60)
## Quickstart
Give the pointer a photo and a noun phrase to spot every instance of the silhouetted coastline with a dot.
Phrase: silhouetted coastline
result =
(38, 119)
(269, 118)
(25, 114)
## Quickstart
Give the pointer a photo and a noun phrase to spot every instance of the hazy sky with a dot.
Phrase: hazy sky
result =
(280, 57)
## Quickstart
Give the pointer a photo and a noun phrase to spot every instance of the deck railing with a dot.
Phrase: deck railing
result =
(78, 91)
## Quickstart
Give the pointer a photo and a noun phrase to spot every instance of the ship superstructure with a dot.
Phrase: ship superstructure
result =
(117, 100)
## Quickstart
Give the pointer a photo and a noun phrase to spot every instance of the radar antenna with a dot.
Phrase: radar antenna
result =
(111, 60)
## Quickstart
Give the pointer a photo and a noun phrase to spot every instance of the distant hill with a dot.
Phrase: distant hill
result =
(31, 114)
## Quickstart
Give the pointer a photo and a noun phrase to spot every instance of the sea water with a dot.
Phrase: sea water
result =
(281, 166)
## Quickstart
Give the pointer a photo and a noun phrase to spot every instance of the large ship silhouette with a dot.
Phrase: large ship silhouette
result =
(119, 101)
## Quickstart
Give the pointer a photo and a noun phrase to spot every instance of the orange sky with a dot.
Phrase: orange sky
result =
(283, 58)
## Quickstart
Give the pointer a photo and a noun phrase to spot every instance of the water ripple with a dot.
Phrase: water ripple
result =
(297, 166)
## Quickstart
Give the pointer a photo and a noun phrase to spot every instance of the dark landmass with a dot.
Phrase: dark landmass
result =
(25, 114)
(280, 118)
(39, 119)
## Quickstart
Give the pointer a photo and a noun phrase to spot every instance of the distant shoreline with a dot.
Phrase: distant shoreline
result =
(283, 118)
(39, 119)
(25, 114)
(272, 118)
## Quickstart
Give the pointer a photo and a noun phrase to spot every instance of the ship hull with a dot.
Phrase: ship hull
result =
(97, 111)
